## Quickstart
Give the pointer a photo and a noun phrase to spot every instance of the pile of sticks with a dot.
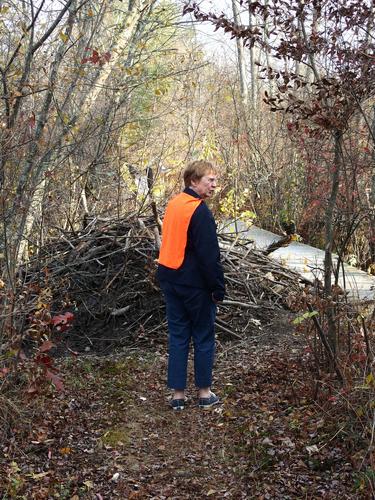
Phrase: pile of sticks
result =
(256, 287)
(105, 275)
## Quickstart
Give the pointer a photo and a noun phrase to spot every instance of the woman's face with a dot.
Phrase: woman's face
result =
(206, 186)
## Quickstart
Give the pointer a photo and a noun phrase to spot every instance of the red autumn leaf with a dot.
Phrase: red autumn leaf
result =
(69, 316)
(95, 57)
(32, 120)
(55, 379)
(46, 346)
(22, 355)
(62, 319)
(56, 320)
(44, 359)
(4, 372)
(106, 56)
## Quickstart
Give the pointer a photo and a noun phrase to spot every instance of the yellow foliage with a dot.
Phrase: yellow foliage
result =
(231, 206)
(63, 37)
(65, 451)
(370, 381)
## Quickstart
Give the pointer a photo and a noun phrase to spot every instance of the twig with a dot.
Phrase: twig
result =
(326, 345)
(240, 304)
(226, 330)
(119, 312)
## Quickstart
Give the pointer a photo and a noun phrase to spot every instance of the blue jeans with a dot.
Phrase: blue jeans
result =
(191, 314)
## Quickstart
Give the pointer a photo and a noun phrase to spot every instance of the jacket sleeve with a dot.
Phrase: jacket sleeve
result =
(205, 245)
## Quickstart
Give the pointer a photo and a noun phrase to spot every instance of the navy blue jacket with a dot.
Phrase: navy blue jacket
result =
(201, 267)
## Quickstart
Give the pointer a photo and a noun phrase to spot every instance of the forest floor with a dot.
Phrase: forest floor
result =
(111, 433)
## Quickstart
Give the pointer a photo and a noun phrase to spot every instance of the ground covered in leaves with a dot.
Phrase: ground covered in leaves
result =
(111, 433)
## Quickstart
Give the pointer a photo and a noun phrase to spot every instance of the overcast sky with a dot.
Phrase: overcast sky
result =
(216, 43)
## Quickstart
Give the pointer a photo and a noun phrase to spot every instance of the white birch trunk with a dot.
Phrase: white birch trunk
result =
(34, 214)
(117, 52)
(240, 58)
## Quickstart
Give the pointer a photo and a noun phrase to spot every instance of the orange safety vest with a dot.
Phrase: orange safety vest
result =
(175, 228)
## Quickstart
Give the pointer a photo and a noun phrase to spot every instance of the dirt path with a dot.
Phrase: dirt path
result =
(113, 435)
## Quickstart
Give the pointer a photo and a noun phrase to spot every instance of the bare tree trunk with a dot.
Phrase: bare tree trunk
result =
(252, 65)
(240, 57)
(311, 68)
(372, 193)
(265, 40)
(335, 179)
(329, 215)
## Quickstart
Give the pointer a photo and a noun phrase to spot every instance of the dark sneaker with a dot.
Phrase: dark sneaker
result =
(177, 404)
(207, 403)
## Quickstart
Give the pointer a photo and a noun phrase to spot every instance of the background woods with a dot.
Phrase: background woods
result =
(103, 103)
(90, 89)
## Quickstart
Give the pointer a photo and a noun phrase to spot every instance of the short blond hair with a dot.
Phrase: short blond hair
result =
(196, 170)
